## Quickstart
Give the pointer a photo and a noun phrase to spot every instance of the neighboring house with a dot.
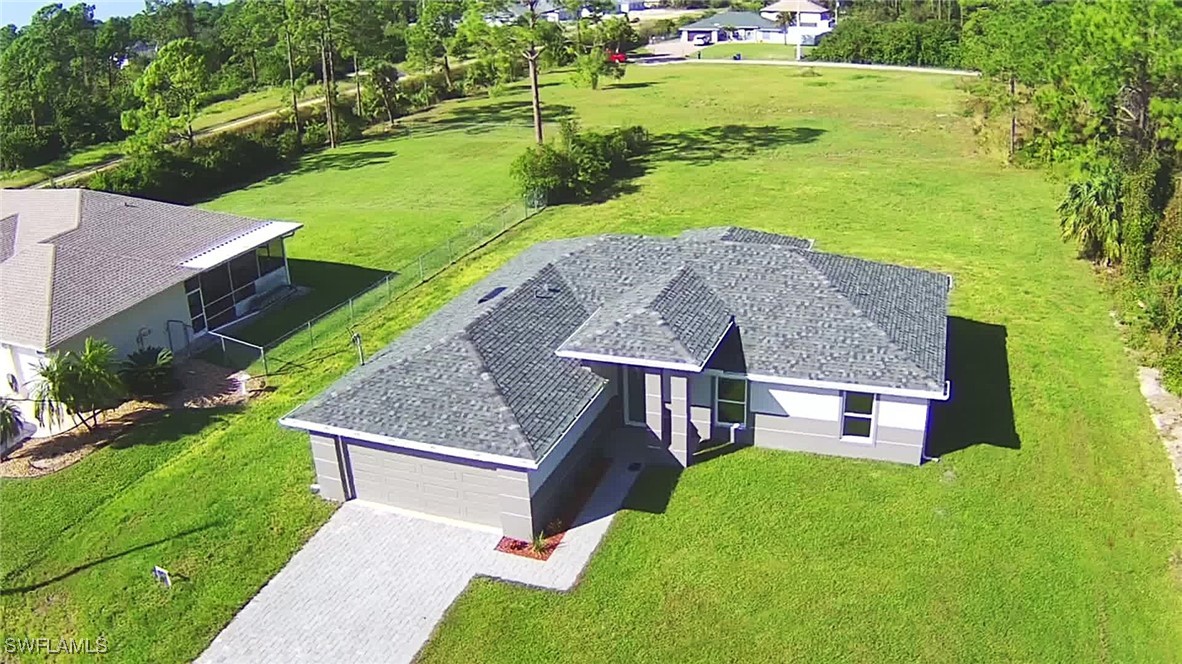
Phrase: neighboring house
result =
(729, 26)
(137, 273)
(485, 410)
(546, 11)
(810, 22)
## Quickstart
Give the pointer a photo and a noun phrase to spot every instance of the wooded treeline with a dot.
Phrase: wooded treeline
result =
(68, 81)
(1090, 90)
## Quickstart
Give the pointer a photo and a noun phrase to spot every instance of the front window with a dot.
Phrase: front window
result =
(857, 415)
(730, 401)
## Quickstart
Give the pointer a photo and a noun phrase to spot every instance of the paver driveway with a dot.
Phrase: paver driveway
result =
(371, 585)
(368, 587)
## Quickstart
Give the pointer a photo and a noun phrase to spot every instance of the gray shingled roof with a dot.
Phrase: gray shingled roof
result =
(674, 319)
(484, 375)
(79, 257)
(730, 19)
(736, 234)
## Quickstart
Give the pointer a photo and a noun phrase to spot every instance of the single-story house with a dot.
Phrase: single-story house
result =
(512, 13)
(729, 26)
(138, 273)
(809, 22)
(484, 411)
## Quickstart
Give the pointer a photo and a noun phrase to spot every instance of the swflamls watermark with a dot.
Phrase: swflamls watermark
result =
(61, 646)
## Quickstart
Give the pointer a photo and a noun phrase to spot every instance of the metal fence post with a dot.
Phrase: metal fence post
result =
(263, 355)
(225, 360)
(449, 255)
(350, 311)
(311, 337)
(421, 278)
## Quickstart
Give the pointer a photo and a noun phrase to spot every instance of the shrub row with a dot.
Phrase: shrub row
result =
(908, 43)
(584, 164)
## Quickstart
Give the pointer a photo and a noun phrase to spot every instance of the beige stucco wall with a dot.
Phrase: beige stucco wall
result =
(152, 314)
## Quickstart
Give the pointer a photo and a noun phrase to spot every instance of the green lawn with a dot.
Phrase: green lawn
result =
(247, 104)
(1068, 548)
(763, 51)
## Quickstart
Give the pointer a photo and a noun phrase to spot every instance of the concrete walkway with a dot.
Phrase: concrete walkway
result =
(371, 585)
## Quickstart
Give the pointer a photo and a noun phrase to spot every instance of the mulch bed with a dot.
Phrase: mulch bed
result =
(203, 385)
(584, 487)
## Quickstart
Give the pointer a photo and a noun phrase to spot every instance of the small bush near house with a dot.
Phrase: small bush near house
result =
(149, 372)
(582, 166)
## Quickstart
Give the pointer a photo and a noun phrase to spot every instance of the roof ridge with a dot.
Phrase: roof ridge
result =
(890, 339)
(505, 411)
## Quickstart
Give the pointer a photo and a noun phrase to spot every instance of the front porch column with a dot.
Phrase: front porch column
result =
(654, 405)
(682, 436)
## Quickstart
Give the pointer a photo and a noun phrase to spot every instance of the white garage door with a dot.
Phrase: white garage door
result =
(431, 486)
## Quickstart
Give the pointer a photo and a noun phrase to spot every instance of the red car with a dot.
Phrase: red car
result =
(617, 57)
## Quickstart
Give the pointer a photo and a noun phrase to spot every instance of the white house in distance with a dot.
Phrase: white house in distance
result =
(810, 20)
(137, 273)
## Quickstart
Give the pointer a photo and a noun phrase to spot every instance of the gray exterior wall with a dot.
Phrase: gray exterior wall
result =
(805, 419)
(520, 502)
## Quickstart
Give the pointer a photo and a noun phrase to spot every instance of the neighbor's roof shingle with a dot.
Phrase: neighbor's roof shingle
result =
(730, 19)
(799, 314)
(79, 257)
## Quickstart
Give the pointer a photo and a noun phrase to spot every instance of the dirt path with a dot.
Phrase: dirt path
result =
(72, 177)
(1166, 410)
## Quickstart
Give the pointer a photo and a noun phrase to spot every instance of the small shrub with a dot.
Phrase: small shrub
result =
(538, 543)
(1171, 371)
(583, 166)
(149, 372)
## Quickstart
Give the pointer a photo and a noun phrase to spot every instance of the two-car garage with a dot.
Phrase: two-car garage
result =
(431, 486)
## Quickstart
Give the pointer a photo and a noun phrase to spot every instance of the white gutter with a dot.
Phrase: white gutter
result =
(241, 244)
(486, 457)
(832, 385)
(631, 361)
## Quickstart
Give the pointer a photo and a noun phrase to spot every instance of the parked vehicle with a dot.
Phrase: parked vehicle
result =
(702, 40)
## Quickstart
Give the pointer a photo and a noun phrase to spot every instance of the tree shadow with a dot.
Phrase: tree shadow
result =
(105, 559)
(330, 285)
(981, 409)
(722, 142)
(328, 160)
(481, 118)
(634, 85)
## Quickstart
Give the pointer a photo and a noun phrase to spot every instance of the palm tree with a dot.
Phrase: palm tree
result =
(784, 19)
(77, 384)
(1090, 214)
(10, 422)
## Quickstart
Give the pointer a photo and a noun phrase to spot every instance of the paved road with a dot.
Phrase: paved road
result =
(812, 63)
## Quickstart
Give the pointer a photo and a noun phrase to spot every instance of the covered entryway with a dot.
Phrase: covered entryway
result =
(449, 489)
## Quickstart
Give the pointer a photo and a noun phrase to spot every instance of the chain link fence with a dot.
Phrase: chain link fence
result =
(334, 330)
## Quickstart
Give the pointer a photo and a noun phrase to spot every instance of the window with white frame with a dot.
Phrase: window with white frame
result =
(730, 401)
(857, 415)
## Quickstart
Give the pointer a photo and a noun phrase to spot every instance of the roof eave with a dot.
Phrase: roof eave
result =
(459, 453)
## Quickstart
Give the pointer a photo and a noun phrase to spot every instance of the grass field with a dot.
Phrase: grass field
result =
(1064, 544)
(764, 51)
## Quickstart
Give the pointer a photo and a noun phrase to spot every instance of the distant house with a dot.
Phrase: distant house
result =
(137, 273)
(810, 21)
(728, 26)
(656, 348)
(545, 9)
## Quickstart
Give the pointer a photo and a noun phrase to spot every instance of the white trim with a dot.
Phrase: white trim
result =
(842, 413)
(831, 385)
(410, 444)
(631, 361)
(242, 244)
(471, 525)
(612, 359)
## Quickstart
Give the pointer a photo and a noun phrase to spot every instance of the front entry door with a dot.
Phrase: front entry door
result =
(633, 396)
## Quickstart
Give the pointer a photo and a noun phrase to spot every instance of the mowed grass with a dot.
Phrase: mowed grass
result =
(1065, 549)
(760, 51)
